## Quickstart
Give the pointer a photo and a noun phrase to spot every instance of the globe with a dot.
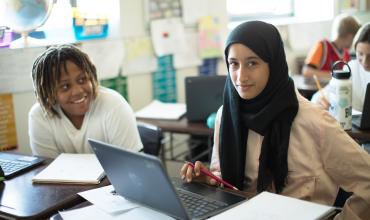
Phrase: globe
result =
(24, 16)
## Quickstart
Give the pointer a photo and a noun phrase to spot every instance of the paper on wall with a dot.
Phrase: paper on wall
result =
(16, 67)
(193, 10)
(107, 55)
(139, 57)
(189, 57)
(168, 36)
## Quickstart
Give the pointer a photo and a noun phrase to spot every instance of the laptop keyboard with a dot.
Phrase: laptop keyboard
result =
(10, 166)
(198, 205)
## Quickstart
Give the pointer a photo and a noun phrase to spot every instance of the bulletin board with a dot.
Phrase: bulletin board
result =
(8, 134)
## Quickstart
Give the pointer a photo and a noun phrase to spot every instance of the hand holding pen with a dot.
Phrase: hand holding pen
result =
(189, 168)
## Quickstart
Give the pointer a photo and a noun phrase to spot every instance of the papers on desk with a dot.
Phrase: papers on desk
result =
(160, 110)
(266, 206)
(107, 205)
(73, 169)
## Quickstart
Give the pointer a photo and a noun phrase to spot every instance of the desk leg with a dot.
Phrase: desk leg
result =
(171, 146)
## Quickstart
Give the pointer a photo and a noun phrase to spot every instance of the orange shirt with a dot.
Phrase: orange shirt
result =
(324, 54)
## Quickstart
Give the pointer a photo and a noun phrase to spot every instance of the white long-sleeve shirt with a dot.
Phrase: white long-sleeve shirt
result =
(110, 119)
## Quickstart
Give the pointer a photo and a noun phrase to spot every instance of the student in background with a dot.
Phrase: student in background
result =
(268, 137)
(360, 69)
(71, 107)
(321, 57)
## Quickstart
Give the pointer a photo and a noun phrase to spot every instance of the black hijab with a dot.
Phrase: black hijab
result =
(270, 114)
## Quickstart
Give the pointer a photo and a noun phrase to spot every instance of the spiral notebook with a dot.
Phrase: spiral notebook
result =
(72, 169)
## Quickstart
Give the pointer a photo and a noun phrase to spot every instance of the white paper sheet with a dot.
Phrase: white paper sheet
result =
(190, 56)
(93, 212)
(108, 202)
(63, 170)
(16, 68)
(267, 206)
(159, 110)
(139, 57)
(168, 36)
(106, 54)
(193, 10)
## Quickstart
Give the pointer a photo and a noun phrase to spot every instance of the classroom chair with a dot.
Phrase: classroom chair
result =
(151, 136)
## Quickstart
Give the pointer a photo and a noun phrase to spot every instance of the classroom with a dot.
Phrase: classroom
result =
(139, 90)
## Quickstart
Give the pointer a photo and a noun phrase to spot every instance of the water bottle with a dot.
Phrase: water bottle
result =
(340, 95)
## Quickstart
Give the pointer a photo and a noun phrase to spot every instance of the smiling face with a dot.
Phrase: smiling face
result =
(248, 72)
(363, 54)
(74, 93)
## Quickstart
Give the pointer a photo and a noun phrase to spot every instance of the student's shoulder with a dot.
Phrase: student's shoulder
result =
(36, 110)
(311, 115)
(107, 95)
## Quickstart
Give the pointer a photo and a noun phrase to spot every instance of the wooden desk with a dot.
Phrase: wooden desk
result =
(22, 199)
(173, 170)
(306, 89)
(361, 136)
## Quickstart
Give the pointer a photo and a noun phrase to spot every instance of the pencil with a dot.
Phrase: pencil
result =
(319, 86)
(208, 173)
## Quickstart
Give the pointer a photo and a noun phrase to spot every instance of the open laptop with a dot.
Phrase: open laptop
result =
(203, 96)
(13, 164)
(141, 178)
(363, 121)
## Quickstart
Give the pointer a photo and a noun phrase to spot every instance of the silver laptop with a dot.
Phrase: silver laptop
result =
(13, 164)
(141, 178)
(363, 121)
(203, 96)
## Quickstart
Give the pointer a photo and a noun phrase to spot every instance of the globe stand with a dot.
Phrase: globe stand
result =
(25, 41)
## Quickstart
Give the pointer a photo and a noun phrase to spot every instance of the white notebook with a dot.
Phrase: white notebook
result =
(73, 169)
(267, 206)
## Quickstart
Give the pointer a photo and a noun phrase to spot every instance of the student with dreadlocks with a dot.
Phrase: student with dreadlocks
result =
(71, 107)
(268, 137)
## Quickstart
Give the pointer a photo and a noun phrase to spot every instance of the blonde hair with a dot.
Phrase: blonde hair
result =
(46, 72)
(344, 25)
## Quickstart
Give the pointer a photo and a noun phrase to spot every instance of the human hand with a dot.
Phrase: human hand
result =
(323, 102)
(188, 173)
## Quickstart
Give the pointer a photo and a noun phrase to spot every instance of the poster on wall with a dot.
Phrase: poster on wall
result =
(168, 36)
(8, 134)
(140, 56)
(107, 55)
(210, 42)
(159, 9)
(16, 67)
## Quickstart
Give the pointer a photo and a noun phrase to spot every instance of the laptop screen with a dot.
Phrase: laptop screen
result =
(203, 96)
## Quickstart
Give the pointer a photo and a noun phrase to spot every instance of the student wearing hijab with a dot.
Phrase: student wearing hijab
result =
(269, 138)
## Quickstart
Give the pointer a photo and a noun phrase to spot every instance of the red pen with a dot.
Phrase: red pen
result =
(210, 174)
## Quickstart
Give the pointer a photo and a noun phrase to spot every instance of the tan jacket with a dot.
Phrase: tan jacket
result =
(321, 158)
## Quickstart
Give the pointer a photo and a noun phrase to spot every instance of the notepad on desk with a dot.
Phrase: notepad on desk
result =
(266, 206)
(160, 110)
(72, 169)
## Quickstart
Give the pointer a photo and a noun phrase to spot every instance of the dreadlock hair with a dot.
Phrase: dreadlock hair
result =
(46, 73)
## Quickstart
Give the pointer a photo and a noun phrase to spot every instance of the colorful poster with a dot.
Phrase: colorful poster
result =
(8, 133)
(139, 57)
(210, 43)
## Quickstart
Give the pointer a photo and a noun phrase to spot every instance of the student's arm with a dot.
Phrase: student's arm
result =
(122, 127)
(215, 161)
(348, 165)
(42, 140)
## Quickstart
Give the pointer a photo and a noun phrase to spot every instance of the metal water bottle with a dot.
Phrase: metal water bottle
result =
(340, 95)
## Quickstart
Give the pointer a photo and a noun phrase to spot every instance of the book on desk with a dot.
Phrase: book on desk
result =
(72, 169)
